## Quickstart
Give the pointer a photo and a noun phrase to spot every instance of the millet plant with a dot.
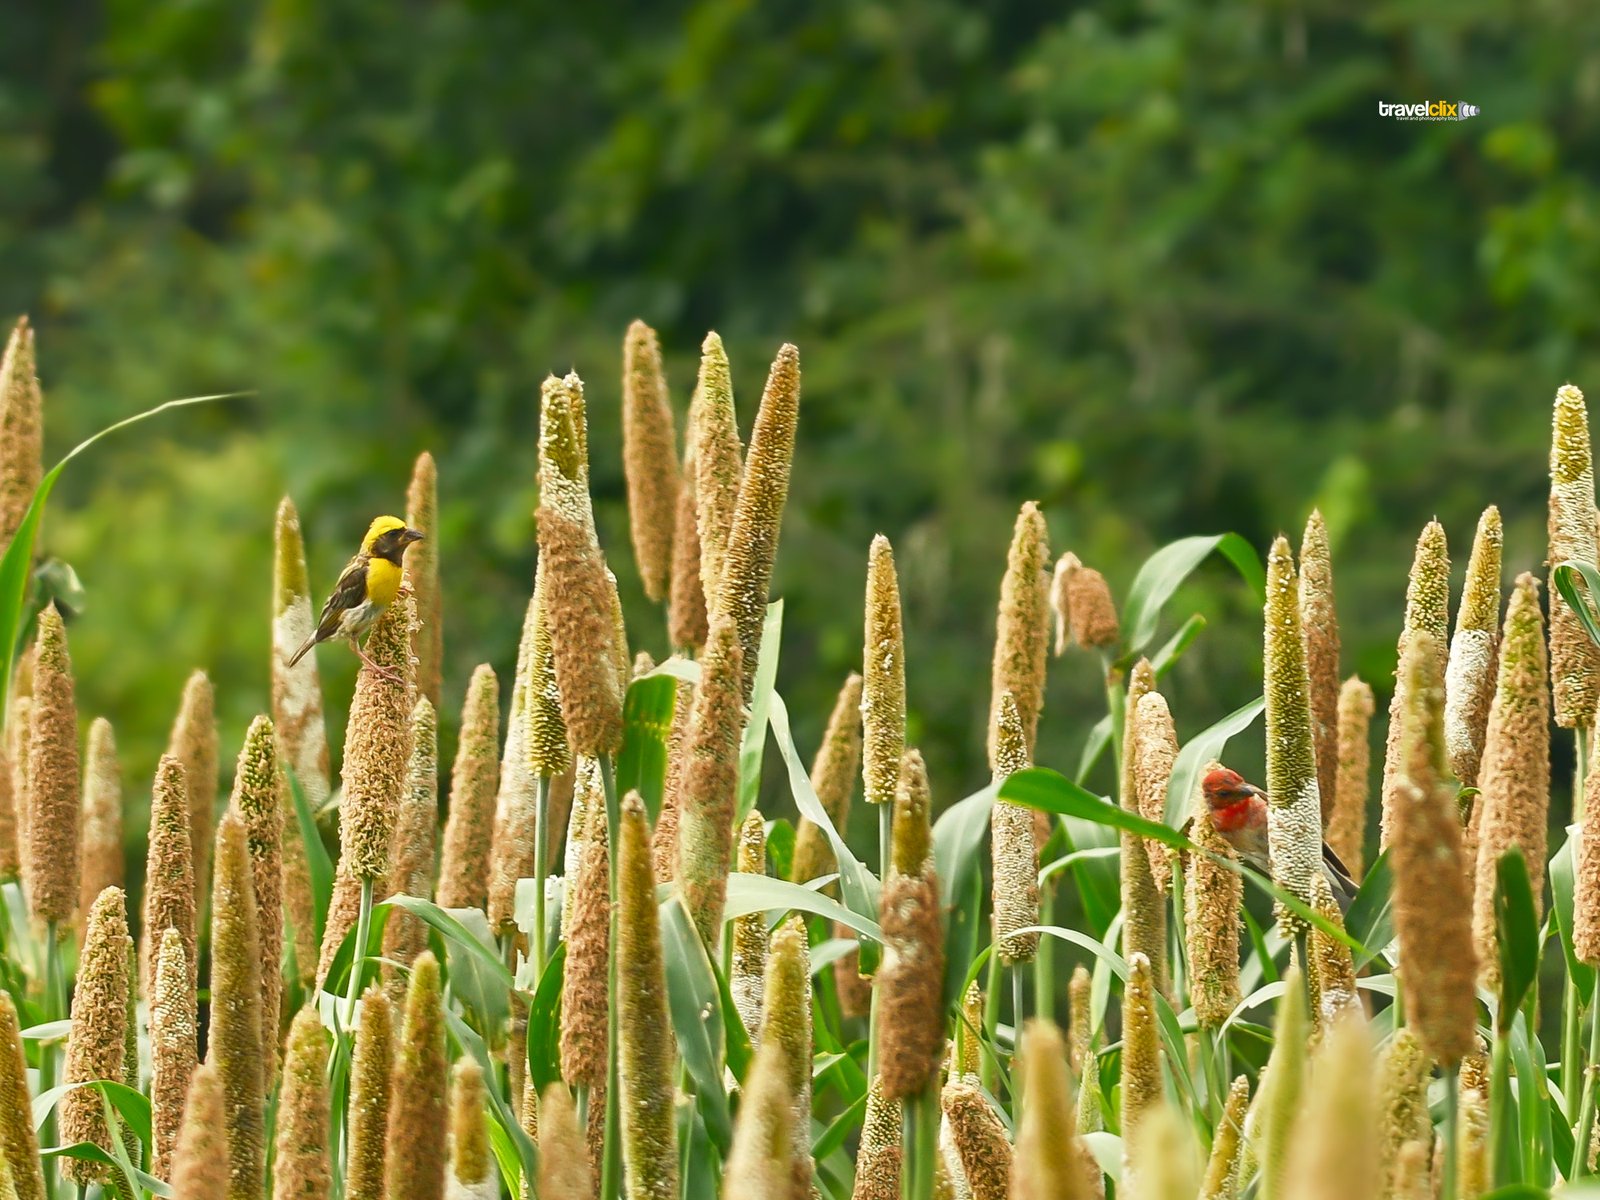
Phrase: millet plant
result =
(607, 962)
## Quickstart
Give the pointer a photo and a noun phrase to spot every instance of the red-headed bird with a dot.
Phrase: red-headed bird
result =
(1239, 813)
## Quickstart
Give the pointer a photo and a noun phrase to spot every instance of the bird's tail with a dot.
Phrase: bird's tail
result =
(305, 648)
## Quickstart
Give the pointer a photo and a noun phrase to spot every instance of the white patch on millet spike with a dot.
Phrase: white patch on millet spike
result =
(1467, 693)
(1294, 840)
(585, 790)
(1573, 530)
(300, 705)
(950, 1154)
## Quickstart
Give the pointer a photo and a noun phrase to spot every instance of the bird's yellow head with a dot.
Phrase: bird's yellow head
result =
(387, 538)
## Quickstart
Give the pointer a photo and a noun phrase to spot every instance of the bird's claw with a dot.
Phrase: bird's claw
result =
(378, 669)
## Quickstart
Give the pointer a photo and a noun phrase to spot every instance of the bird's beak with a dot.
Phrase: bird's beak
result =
(1254, 790)
(412, 535)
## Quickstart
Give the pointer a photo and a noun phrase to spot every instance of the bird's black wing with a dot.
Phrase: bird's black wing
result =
(1343, 886)
(350, 591)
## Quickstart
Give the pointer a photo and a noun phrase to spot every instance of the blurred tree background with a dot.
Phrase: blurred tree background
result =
(1160, 265)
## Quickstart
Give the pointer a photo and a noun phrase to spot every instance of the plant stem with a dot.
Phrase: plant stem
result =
(1206, 1041)
(1585, 1128)
(989, 1069)
(1302, 937)
(1571, 1040)
(1018, 1013)
(56, 998)
(541, 866)
(1044, 959)
(885, 839)
(1452, 1110)
(1178, 954)
(920, 1139)
(358, 954)
(1571, 1006)
(611, 1163)
(1505, 1153)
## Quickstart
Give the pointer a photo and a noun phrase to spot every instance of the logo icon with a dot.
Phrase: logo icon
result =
(1428, 110)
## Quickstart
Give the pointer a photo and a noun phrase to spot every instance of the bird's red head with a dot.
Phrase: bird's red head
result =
(1225, 788)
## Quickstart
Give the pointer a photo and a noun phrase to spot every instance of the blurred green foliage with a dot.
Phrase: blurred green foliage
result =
(1159, 265)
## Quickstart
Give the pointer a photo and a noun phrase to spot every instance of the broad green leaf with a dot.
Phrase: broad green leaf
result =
(450, 926)
(694, 1002)
(486, 992)
(755, 730)
(857, 884)
(962, 927)
(1097, 877)
(1107, 1151)
(319, 865)
(1371, 916)
(1167, 657)
(1197, 752)
(50, 1031)
(958, 837)
(1533, 1087)
(1516, 932)
(471, 1043)
(1099, 738)
(1568, 576)
(699, 1165)
(1093, 854)
(544, 1022)
(1561, 884)
(17, 562)
(505, 1155)
(829, 952)
(646, 721)
(1050, 791)
(132, 1107)
(1165, 570)
(840, 1128)
(44, 1102)
(780, 847)
(761, 893)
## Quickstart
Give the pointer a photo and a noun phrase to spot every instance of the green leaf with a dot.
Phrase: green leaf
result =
(132, 1107)
(958, 837)
(486, 992)
(1165, 570)
(1561, 885)
(695, 1004)
(50, 1031)
(1099, 738)
(471, 1043)
(761, 893)
(1371, 916)
(840, 1128)
(755, 730)
(1049, 791)
(17, 563)
(1167, 657)
(505, 1155)
(1567, 577)
(1096, 870)
(646, 721)
(318, 864)
(1516, 933)
(451, 928)
(699, 1166)
(857, 884)
(963, 922)
(544, 1022)
(1197, 752)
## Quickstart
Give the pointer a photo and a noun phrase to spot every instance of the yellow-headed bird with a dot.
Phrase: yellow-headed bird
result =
(368, 585)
